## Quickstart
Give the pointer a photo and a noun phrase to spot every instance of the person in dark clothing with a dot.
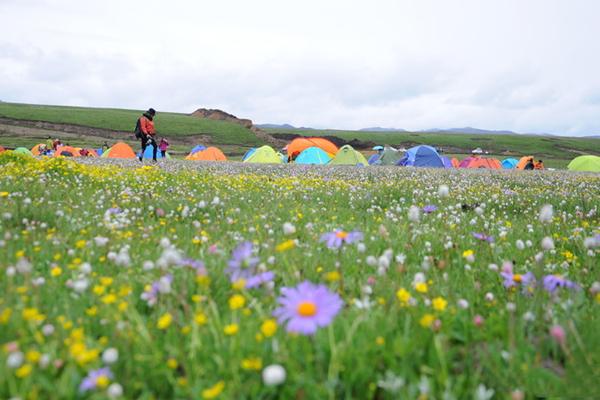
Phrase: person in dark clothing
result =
(529, 165)
(145, 131)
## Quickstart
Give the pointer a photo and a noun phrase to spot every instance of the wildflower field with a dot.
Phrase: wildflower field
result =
(234, 281)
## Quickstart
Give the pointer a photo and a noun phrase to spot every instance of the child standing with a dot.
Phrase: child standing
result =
(163, 146)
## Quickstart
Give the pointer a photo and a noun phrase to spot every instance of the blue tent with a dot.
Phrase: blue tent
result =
(148, 153)
(421, 156)
(509, 163)
(313, 155)
(373, 159)
(198, 148)
(248, 154)
(99, 151)
(447, 162)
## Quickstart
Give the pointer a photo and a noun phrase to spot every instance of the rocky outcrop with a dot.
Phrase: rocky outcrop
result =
(219, 115)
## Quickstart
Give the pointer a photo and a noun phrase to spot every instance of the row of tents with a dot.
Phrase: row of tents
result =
(320, 151)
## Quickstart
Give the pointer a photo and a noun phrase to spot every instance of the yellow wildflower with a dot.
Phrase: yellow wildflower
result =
(287, 245)
(33, 356)
(24, 371)
(231, 329)
(252, 364)
(213, 391)
(421, 287)
(268, 327)
(426, 320)
(333, 276)
(109, 298)
(236, 301)
(56, 271)
(165, 321)
(172, 363)
(403, 295)
(439, 304)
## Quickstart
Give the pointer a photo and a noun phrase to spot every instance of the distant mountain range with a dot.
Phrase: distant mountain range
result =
(468, 130)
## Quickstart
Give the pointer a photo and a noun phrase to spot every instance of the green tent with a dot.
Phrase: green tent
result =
(390, 156)
(348, 156)
(264, 155)
(585, 163)
(23, 150)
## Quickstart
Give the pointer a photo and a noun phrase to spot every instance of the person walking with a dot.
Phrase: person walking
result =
(163, 146)
(144, 130)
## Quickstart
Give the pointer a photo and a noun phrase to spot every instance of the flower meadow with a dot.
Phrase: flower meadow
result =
(227, 281)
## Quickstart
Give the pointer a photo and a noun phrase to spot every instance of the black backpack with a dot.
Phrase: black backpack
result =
(138, 129)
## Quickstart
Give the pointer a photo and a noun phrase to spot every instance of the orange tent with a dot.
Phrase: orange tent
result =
(523, 162)
(2, 149)
(119, 150)
(67, 151)
(300, 144)
(480, 162)
(455, 162)
(35, 150)
(209, 154)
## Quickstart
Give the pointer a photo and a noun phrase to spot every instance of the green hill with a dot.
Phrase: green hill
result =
(170, 124)
(557, 147)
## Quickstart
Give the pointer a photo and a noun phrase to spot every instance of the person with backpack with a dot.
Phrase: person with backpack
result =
(144, 130)
(163, 146)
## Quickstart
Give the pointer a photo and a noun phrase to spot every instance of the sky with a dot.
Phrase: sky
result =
(530, 66)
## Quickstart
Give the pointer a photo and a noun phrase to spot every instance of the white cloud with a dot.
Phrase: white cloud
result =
(415, 64)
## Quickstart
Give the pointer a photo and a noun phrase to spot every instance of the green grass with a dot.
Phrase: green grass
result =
(565, 148)
(169, 124)
(443, 335)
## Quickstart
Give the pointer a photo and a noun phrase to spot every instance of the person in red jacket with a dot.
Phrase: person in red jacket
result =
(146, 133)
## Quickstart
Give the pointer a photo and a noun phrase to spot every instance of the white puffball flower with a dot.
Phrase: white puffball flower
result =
(443, 191)
(464, 304)
(110, 355)
(520, 245)
(414, 214)
(47, 329)
(546, 214)
(273, 375)
(14, 360)
(288, 229)
(547, 243)
(114, 390)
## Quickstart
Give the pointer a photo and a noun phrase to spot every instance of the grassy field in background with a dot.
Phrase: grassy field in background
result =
(170, 124)
(565, 148)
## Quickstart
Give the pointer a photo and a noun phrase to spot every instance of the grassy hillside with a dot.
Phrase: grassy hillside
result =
(542, 146)
(170, 124)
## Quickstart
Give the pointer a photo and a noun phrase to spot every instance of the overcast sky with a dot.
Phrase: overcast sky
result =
(523, 65)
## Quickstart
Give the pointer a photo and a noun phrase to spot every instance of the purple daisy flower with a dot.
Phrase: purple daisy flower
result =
(163, 285)
(512, 280)
(259, 279)
(428, 209)
(91, 380)
(335, 239)
(554, 282)
(194, 264)
(307, 307)
(243, 266)
(483, 237)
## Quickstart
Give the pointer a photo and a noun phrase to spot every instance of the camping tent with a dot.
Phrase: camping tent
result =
(2, 149)
(480, 162)
(421, 156)
(313, 155)
(585, 163)
(523, 162)
(346, 155)
(67, 151)
(509, 163)
(248, 154)
(264, 155)
(208, 154)
(450, 163)
(300, 144)
(22, 150)
(119, 150)
(35, 150)
(148, 153)
(197, 148)
(390, 156)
